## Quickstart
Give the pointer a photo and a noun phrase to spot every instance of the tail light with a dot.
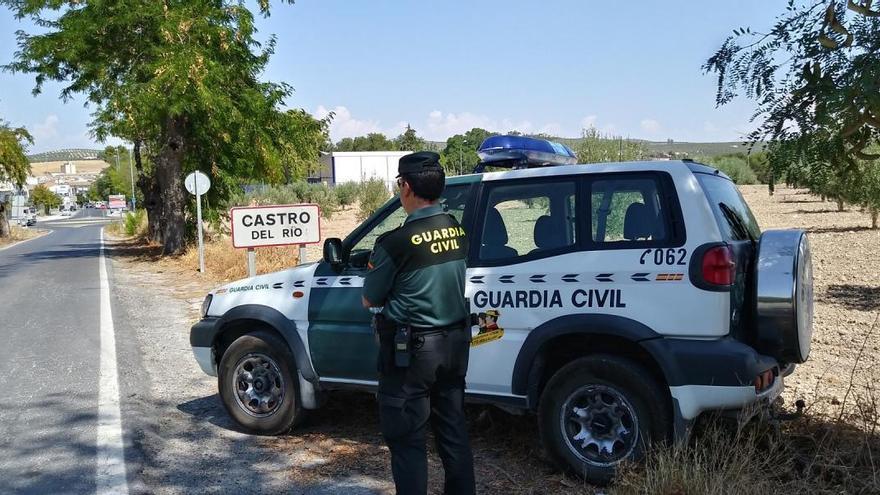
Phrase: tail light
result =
(763, 381)
(718, 266)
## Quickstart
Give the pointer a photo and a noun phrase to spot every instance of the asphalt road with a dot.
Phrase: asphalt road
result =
(50, 357)
(154, 423)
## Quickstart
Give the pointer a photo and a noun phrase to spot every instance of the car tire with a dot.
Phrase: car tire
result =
(598, 404)
(259, 384)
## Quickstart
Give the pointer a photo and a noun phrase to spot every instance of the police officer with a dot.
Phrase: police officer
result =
(417, 274)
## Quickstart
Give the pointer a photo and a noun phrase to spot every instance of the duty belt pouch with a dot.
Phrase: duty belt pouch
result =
(402, 346)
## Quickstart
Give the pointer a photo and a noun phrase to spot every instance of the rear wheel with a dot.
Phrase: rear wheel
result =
(598, 411)
(258, 384)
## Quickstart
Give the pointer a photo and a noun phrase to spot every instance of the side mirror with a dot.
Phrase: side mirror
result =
(333, 251)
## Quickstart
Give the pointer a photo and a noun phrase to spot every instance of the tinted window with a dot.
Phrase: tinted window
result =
(521, 220)
(628, 211)
(726, 201)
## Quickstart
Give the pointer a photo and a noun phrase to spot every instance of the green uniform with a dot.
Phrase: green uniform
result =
(417, 271)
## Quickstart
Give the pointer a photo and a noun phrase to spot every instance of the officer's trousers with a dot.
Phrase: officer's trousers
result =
(430, 389)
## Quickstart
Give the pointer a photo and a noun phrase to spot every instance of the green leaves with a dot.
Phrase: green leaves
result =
(14, 165)
(814, 79)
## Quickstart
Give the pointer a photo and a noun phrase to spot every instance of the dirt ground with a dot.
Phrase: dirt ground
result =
(846, 272)
(343, 442)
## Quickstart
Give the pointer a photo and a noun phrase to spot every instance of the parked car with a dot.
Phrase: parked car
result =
(617, 302)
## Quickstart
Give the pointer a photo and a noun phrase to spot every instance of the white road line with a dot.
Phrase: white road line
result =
(110, 476)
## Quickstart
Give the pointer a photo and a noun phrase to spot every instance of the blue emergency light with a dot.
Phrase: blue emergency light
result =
(522, 152)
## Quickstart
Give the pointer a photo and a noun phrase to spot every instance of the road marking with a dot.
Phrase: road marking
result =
(110, 477)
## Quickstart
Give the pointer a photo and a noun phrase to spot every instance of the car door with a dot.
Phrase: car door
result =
(341, 339)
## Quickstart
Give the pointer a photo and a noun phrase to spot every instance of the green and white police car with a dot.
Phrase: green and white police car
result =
(618, 302)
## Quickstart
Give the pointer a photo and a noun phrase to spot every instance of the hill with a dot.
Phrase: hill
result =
(72, 154)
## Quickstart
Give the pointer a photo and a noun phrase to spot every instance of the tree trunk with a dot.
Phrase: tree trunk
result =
(149, 187)
(874, 213)
(839, 204)
(169, 169)
(4, 222)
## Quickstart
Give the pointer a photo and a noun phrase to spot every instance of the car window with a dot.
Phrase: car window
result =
(453, 200)
(522, 220)
(627, 211)
(723, 193)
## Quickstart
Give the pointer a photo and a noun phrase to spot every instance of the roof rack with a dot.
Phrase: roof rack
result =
(516, 152)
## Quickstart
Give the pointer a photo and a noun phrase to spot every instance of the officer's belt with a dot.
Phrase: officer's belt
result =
(459, 325)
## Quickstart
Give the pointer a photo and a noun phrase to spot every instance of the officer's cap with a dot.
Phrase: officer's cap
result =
(418, 162)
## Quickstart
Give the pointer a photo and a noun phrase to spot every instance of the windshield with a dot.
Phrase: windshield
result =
(733, 215)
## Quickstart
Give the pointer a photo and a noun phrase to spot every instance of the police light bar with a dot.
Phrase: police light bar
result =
(523, 152)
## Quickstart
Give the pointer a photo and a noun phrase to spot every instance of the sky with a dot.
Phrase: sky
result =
(627, 68)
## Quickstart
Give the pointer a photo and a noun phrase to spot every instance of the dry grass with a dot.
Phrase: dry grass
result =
(82, 167)
(18, 234)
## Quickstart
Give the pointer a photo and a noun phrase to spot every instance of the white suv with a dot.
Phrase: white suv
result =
(617, 301)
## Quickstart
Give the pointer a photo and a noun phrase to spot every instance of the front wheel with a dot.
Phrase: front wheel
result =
(598, 411)
(258, 384)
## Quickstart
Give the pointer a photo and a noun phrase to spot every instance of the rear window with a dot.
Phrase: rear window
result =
(726, 201)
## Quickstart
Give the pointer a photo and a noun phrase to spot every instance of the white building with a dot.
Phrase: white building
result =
(360, 166)
(68, 168)
(62, 190)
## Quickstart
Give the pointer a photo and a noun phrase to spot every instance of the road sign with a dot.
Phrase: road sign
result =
(197, 183)
(116, 201)
(278, 225)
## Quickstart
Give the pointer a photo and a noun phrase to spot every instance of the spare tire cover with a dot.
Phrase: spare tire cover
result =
(784, 292)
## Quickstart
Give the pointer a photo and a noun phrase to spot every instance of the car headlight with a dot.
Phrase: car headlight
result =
(206, 304)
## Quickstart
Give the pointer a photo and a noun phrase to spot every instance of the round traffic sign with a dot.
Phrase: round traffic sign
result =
(197, 179)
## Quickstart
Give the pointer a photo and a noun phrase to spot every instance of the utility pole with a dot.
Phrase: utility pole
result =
(131, 169)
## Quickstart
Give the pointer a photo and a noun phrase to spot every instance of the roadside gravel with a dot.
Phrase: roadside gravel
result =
(184, 442)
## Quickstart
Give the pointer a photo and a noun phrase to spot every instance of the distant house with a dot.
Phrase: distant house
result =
(358, 166)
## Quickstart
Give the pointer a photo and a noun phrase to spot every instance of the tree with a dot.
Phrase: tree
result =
(595, 147)
(460, 153)
(178, 79)
(42, 196)
(409, 141)
(374, 141)
(813, 76)
(14, 165)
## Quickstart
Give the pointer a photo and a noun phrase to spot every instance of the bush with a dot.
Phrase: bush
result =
(288, 194)
(135, 223)
(373, 194)
(323, 196)
(736, 167)
(347, 193)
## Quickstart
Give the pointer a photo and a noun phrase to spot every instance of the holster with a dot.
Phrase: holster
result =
(398, 335)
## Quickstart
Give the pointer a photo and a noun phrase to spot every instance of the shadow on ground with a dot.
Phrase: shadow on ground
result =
(861, 297)
(831, 230)
(341, 443)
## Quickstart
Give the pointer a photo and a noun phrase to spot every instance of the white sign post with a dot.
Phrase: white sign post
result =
(277, 225)
(197, 184)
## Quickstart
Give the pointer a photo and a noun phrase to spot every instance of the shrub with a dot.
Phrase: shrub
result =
(323, 196)
(736, 167)
(287, 194)
(347, 193)
(135, 223)
(373, 194)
